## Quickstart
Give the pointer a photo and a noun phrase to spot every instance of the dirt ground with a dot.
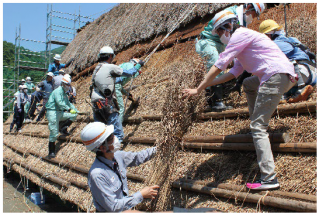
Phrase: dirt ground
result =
(16, 201)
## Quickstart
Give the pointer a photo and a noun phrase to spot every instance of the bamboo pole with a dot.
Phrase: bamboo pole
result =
(237, 138)
(238, 188)
(276, 147)
(286, 204)
(303, 107)
(52, 178)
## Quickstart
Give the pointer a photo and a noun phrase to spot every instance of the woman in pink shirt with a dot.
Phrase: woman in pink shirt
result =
(273, 75)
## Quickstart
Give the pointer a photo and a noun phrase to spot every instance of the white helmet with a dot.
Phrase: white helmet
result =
(28, 79)
(66, 79)
(222, 18)
(50, 74)
(134, 61)
(105, 50)
(95, 134)
(22, 80)
(20, 87)
(16, 94)
(67, 75)
(259, 7)
(57, 57)
(61, 71)
(24, 87)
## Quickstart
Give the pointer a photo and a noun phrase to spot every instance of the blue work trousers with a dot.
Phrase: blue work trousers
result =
(114, 120)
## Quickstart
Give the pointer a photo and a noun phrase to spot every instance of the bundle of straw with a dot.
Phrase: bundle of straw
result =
(178, 115)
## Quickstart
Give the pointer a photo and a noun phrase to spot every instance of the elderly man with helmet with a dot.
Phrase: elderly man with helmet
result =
(107, 177)
(131, 69)
(273, 75)
(60, 113)
(303, 60)
(56, 65)
(104, 102)
(210, 46)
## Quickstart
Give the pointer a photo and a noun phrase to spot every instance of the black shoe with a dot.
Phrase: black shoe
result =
(52, 149)
(218, 107)
(264, 185)
(64, 131)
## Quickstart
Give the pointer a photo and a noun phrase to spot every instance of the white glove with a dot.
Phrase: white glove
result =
(37, 89)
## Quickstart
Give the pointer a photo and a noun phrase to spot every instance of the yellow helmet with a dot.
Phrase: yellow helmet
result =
(268, 25)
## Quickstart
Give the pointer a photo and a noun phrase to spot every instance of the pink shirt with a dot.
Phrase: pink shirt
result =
(255, 53)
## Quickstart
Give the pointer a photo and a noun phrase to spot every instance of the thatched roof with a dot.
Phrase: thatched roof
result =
(297, 172)
(128, 24)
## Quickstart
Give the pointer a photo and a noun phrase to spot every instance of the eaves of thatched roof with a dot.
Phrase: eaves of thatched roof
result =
(127, 24)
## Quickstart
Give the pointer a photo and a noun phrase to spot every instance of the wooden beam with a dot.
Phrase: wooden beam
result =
(52, 178)
(309, 147)
(286, 204)
(303, 107)
(275, 193)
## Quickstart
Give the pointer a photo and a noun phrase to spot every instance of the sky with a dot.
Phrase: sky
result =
(33, 18)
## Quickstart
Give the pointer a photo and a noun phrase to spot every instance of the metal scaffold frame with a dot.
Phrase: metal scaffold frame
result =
(70, 28)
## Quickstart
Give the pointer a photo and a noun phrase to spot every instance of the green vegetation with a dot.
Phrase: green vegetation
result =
(8, 71)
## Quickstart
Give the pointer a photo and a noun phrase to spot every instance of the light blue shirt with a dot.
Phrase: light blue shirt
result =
(109, 192)
(54, 68)
(293, 53)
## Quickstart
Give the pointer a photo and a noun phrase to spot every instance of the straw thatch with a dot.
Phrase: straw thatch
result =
(129, 24)
(296, 171)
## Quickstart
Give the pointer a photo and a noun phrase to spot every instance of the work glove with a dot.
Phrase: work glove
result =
(19, 110)
(141, 62)
(73, 111)
(139, 72)
(37, 89)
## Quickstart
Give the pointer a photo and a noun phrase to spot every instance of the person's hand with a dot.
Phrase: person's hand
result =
(141, 62)
(19, 110)
(139, 72)
(73, 111)
(37, 89)
(189, 92)
(150, 192)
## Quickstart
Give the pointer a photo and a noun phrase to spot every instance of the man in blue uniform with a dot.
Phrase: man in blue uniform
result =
(56, 65)
(107, 176)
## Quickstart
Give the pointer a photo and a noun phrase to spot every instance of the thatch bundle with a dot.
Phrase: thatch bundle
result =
(176, 120)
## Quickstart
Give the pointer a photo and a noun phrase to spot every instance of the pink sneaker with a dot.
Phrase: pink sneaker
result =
(264, 185)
